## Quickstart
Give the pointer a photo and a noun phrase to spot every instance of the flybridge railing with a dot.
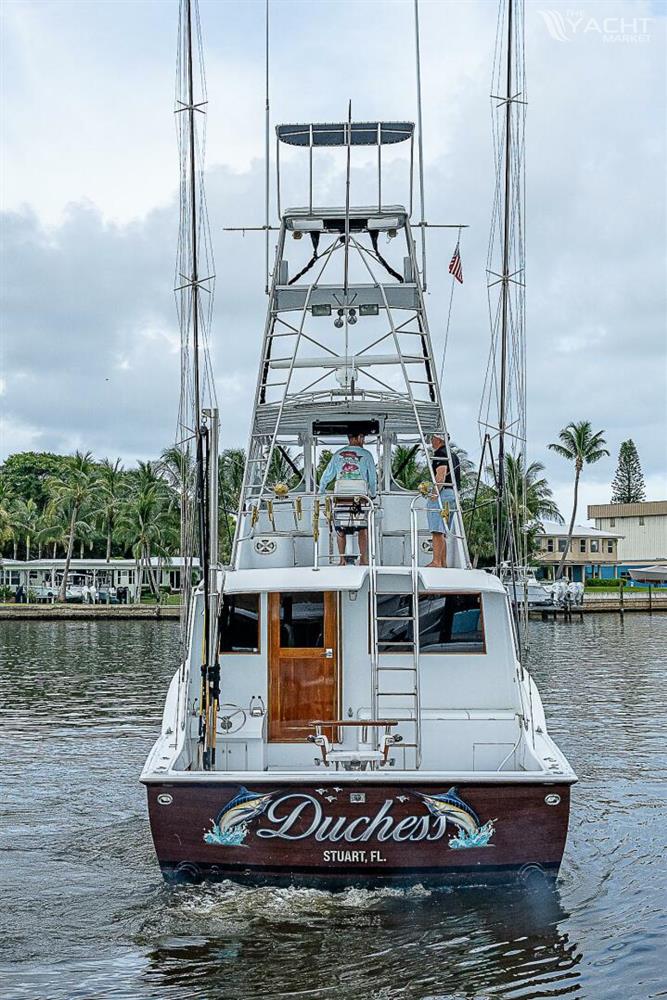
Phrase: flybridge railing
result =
(312, 515)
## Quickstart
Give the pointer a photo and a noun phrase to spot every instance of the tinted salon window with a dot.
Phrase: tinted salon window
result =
(239, 623)
(302, 620)
(394, 623)
(451, 623)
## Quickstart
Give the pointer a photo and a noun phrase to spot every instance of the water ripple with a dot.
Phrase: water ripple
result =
(90, 916)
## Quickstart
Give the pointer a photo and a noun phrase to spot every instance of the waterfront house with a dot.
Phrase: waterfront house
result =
(41, 575)
(592, 552)
(642, 531)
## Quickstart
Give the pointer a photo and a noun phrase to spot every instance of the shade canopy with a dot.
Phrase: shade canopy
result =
(328, 134)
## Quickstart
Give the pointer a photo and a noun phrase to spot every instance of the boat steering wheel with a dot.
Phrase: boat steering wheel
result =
(231, 718)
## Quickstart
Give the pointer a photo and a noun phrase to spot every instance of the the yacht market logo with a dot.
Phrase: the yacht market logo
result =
(566, 26)
(300, 816)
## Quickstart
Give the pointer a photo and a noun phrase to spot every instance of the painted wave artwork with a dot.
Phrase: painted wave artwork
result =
(226, 838)
(477, 838)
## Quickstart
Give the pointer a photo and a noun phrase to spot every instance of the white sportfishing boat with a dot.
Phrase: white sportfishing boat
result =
(354, 716)
(523, 587)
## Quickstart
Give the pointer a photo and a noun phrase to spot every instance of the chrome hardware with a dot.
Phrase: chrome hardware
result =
(329, 654)
(265, 546)
(165, 799)
(552, 799)
(256, 708)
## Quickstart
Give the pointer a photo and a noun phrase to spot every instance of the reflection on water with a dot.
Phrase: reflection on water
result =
(89, 916)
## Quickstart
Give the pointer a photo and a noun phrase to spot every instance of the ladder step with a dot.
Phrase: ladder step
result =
(394, 618)
(397, 694)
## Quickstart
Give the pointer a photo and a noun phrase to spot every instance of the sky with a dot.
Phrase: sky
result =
(88, 196)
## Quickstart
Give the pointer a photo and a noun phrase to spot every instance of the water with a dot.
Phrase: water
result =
(85, 914)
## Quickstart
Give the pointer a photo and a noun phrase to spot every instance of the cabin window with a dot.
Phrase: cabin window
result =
(394, 623)
(302, 620)
(451, 623)
(448, 623)
(239, 623)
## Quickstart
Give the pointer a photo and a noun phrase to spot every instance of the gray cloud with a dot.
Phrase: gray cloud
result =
(89, 300)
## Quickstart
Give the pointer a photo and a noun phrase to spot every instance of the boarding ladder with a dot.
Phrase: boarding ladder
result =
(397, 679)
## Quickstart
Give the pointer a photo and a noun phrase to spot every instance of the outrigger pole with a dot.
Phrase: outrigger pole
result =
(202, 443)
(420, 140)
(502, 416)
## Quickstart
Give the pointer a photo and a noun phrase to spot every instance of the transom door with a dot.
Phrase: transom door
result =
(303, 663)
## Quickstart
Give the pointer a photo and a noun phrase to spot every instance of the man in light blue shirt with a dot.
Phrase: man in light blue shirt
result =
(351, 462)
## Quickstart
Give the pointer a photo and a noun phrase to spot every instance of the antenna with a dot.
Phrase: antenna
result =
(266, 154)
(346, 274)
(421, 144)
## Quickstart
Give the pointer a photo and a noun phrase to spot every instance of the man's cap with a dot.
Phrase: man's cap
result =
(439, 433)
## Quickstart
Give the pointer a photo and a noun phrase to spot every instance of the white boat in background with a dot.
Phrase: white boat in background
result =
(655, 573)
(522, 586)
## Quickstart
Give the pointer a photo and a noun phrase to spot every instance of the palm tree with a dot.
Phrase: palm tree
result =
(26, 519)
(73, 493)
(111, 480)
(580, 445)
(175, 466)
(54, 530)
(146, 524)
(7, 513)
(529, 498)
(284, 467)
(406, 469)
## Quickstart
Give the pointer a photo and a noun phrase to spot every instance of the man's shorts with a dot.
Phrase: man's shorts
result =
(437, 524)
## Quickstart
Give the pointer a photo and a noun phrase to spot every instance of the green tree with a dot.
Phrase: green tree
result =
(147, 526)
(231, 467)
(8, 520)
(577, 443)
(406, 468)
(108, 498)
(528, 500)
(26, 474)
(73, 492)
(628, 483)
(26, 519)
(54, 530)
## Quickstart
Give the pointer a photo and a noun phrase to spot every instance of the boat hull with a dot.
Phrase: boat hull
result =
(358, 833)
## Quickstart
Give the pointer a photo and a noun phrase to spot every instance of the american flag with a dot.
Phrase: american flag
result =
(455, 266)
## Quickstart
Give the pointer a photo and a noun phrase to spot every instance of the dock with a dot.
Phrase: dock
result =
(618, 603)
(89, 612)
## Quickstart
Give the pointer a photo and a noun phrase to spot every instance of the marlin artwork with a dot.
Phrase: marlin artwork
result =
(231, 826)
(450, 806)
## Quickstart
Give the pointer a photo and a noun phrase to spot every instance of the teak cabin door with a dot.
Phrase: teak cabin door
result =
(303, 663)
